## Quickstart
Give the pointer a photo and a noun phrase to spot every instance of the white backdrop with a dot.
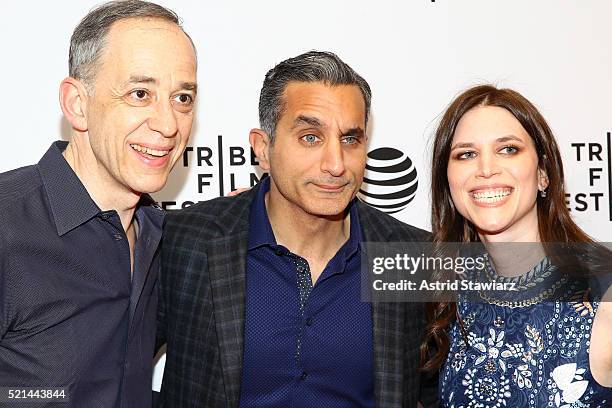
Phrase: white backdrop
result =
(415, 54)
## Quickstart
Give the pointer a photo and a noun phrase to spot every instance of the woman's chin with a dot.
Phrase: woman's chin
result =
(491, 228)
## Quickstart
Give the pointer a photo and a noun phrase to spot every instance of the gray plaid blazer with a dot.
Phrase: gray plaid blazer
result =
(202, 308)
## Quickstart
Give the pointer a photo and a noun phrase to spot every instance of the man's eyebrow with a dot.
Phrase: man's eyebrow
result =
(189, 86)
(307, 120)
(143, 79)
(140, 79)
(356, 132)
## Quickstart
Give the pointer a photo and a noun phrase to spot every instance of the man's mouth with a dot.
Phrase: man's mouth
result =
(490, 196)
(149, 151)
(330, 187)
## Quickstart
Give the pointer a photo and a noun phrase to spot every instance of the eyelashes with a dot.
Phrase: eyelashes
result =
(312, 140)
(508, 150)
(182, 102)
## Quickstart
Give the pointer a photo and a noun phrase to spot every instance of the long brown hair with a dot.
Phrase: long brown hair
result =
(554, 221)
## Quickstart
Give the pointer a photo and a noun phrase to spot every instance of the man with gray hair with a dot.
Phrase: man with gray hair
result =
(79, 255)
(260, 300)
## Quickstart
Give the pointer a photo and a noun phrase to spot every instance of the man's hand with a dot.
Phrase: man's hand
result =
(237, 191)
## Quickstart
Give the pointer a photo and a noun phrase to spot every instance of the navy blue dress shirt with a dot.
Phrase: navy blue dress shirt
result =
(304, 346)
(71, 315)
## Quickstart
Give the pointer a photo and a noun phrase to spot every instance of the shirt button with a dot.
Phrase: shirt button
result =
(303, 376)
(117, 237)
(309, 321)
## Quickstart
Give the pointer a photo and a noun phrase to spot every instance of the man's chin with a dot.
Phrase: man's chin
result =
(144, 186)
(336, 210)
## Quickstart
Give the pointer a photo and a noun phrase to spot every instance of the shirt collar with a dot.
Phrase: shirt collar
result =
(71, 205)
(148, 212)
(355, 237)
(260, 230)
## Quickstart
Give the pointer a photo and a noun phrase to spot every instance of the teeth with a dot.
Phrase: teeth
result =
(491, 196)
(152, 152)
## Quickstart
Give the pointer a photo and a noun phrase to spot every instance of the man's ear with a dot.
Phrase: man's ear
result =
(73, 101)
(260, 142)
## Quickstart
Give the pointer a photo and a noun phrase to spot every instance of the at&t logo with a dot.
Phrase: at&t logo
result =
(390, 181)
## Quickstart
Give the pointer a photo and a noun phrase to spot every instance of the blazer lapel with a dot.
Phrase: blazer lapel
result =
(227, 267)
(387, 321)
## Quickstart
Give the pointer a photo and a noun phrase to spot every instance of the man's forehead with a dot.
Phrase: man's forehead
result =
(152, 80)
(315, 103)
(137, 34)
(148, 50)
(315, 93)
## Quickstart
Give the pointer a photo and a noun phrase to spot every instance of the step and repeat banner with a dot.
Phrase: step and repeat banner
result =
(416, 55)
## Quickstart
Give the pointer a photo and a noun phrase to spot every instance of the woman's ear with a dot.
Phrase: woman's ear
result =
(542, 179)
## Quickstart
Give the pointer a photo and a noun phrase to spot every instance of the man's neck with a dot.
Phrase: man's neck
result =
(103, 189)
(315, 238)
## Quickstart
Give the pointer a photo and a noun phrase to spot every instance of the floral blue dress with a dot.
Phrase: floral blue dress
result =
(523, 355)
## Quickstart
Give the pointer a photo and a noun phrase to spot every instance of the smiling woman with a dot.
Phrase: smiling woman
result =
(494, 175)
(486, 130)
(497, 178)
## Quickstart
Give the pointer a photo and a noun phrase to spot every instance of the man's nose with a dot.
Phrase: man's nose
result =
(163, 119)
(332, 161)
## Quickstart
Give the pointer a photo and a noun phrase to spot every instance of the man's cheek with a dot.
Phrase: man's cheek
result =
(185, 123)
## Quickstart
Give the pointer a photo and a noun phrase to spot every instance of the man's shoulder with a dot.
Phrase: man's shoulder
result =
(391, 227)
(214, 217)
(18, 184)
(209, 211)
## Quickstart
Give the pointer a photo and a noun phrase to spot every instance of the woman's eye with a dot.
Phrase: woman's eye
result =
(509, 150)
(466, 155)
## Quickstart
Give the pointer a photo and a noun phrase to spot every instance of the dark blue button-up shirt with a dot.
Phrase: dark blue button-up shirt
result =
(71, 314)
(304, 346)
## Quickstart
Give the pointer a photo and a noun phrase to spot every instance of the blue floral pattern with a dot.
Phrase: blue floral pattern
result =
(532, 356)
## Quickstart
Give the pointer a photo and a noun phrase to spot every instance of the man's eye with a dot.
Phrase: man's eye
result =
(350, 140)
(139, 94)
(310, 139)
(184, 99)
